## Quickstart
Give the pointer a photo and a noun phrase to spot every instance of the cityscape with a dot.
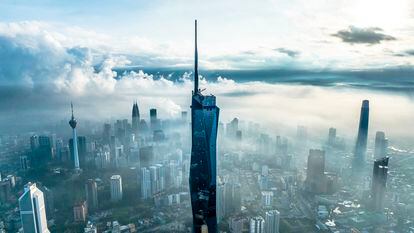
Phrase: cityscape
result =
(94, 141)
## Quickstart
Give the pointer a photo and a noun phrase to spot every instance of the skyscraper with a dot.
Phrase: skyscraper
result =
(331, 136)
(91, 194)
(315, 173)
(135, 118)
(361, 143)
(381, 145)
(153, 119)
(32, 210)
(145, 183)
(272, 221)
(257, 225)
(379, 183)
(72, 124)
(116, 188)
(203, 169)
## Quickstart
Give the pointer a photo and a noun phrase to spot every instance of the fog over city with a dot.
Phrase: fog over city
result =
(273, 116)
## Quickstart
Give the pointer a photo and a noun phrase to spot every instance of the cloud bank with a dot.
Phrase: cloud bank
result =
(40, 73)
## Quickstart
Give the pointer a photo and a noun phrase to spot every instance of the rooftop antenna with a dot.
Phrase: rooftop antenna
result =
(71, 107)
(195, 62)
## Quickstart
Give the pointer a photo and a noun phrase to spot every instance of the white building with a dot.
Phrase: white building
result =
(267, 197)
(272, 221)
(32, 210)
(257, 225)
(116, 188)
(145, 183)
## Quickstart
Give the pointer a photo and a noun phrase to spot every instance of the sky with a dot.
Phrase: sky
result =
(280, 62)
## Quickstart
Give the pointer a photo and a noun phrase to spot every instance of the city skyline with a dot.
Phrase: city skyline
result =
(276, 116)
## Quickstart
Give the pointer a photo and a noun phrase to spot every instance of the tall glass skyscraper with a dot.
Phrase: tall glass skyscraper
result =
(203, 169)
(361, 143)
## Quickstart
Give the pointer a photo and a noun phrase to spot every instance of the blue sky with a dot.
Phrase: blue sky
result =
(324, 34)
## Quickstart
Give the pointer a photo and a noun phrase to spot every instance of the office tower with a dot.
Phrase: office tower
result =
(257, 225)
(379, 183)
(232, 128)
(272, 218)
(153, 119)
(267, 198)
(80, 211)
(146, 156)
(145, 183)
(41, 151)
(49, 199)
(91, 194)
(301, 135)
(361, 143)
(315, 173)
(72, 124)
(24, 163)
(32, 210)
(106, 135)
(184, 116)
(5, 191)
(381, 145)
(203, 169)
(332, 136)
(116, 188)
(135, 118)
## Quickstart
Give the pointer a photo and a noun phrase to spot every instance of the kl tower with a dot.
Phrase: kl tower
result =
(72, 124)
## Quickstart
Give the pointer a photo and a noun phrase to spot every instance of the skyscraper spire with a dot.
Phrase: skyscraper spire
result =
(195, 62)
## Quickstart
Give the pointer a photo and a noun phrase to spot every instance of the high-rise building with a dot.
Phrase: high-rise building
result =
(145, 183)
(106, 135)
(267, 198)
(73, 124)
(32, 210)
(203, 169)
(379, 183)
(315, 173)
(272, 218)
(91, 194)
(361, 143)
(116, 188)
(153, 119)
(257, 225)
(82, 150)
(80, 211)
(49, 199)
(381, 145)
(135, 118)
(332, 136)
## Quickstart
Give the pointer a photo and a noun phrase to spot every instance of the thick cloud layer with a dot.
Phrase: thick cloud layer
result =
(40, 73)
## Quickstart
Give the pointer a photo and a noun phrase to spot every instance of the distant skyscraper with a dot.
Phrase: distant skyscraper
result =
(257, 225)
(315, 173)
(332, 136)
(379, 183)
(153, 119)
(91, 194)
(135, 118)
(203, 169)
(267, 198)
(361, 143)
(381, 145)
(72, 124)
(116, 188)
(32, 210)
(272, 221)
